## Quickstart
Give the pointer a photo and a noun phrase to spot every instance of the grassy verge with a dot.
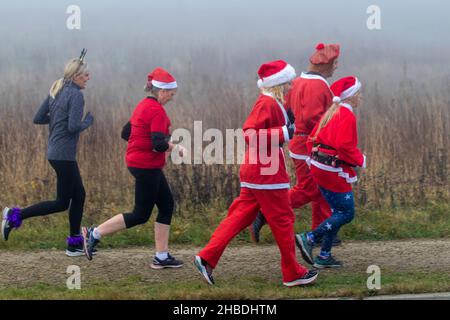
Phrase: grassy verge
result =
(428, 221)
(329, 285)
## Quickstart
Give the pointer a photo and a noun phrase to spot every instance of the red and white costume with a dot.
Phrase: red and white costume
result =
(149, 116)
(310, 98)
(340, 133)
(267, 193)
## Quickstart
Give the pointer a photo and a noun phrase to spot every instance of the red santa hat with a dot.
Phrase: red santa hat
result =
(325, 53)
(161, 79)
(345, 88)
(275, 73)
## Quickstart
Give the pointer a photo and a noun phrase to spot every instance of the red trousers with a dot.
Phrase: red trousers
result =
(305, 191)
(279, 215)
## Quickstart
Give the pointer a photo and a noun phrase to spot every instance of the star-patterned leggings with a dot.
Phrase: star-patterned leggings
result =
(343, 210)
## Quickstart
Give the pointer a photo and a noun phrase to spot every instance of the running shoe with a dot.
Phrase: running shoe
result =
(308, 278)
(205, 269)
(170, 262)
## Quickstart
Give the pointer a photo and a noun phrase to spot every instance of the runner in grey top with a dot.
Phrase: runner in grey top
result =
(62, 111)
(64, 115)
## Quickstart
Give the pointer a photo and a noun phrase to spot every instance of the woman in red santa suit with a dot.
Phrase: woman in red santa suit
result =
(309, 99)
(264, 184)
(334, 154)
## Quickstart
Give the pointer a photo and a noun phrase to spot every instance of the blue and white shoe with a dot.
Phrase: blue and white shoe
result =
(89, 242)
(301, 240)
(205, 269)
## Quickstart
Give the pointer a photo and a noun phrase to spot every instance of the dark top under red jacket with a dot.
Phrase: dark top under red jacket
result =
(148, 117)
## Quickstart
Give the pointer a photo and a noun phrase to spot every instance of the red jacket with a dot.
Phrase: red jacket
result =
(309, 98)
(148, 116)
(265, 126)
(340, 133)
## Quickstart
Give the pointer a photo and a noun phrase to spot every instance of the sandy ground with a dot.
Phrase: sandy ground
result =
(27, 268)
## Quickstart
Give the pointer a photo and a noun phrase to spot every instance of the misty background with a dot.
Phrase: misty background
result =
(222, 39)
(214, 49)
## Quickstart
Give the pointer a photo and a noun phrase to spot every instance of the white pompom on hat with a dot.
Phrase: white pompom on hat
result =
(161, 79)
(274, 73)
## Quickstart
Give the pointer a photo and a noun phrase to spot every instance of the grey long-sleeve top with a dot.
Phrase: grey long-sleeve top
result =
(64, 117)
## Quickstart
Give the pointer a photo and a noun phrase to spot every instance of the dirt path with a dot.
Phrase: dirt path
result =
(26, 268)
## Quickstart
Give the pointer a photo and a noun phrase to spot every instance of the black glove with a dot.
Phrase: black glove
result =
(291, 116)
(126, 131)
(291, 129)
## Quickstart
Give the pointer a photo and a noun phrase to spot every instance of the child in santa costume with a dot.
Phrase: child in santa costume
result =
(264, 185)
(309, 99)
(148, 136)
(334, 154)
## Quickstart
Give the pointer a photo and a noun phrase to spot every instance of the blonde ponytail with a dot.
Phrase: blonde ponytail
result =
(56, 87)
(72, 69)
(326, 118)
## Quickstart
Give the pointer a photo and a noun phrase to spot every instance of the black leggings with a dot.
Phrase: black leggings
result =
(151, 188)
(69, 192)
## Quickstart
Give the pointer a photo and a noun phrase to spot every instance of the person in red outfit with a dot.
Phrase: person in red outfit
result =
(309, 99)
(264, 184)
(148, 136)
(334, 154)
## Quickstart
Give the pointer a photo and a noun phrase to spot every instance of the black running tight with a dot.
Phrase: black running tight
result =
(151, 188)
(69, 193)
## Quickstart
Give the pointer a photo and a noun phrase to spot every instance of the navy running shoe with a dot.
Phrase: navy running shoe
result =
(89, 242)
(170, 262)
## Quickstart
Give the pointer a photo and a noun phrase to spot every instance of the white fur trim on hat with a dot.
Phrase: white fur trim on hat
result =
(285, 75)
(164, 85)
(336, 99)
(350, 92)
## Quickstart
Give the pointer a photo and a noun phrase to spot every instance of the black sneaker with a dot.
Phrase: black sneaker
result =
(74, 251)
(256, 226)
(170, 262)
(330, 262)
(77, 251)
(89, 242)
(308, 278)
(205, 269)
(11, 220)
